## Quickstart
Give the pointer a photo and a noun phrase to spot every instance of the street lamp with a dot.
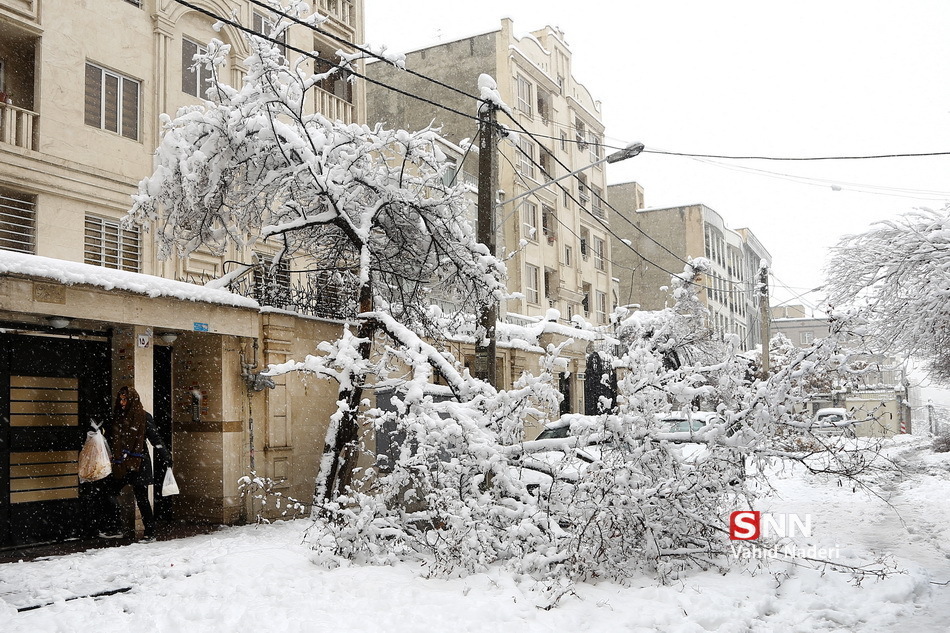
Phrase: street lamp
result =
(629, 151)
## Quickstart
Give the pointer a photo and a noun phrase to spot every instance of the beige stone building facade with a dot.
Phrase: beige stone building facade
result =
(678, 234)
(880, 397)
(556, 238)
(86, 307)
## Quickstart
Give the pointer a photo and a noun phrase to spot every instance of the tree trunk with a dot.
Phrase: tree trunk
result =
(343, 450)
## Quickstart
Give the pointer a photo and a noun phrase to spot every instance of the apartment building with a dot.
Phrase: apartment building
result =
(879, 396)
(555, 239)
(664, 238)
(81, 312)
(565, 260)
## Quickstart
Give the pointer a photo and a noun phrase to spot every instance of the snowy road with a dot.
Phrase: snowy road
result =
(263, 579)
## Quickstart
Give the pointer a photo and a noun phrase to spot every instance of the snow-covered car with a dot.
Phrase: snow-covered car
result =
(832, 421)
(689, 423)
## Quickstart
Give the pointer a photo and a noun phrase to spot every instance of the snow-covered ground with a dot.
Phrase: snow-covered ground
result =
(262, 578)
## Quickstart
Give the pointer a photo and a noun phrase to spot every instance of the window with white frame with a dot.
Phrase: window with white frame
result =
(265, 26)
(583, 193)
(112, 101)
(544, 105)
(580, 133)
(17, 222)
(526, 157)
(601, 307)
(109, 245)
(597, 201)
(600, 248)
(529, 215)
(531, 281)
(548, 223)
(194, 77)
(568, 256)
(524, 95)
(807, 337)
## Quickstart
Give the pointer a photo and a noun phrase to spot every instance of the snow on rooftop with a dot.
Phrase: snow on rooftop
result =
(74, 273)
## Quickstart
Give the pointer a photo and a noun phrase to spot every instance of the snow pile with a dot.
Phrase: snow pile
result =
(262, 578)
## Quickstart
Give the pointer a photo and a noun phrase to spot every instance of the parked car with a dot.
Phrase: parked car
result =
(832, 421)
(690, 423)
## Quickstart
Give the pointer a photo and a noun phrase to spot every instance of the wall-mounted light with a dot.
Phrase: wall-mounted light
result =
(168, 337)
(58, 322)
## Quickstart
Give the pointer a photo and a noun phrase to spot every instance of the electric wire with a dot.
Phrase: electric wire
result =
(316, 57)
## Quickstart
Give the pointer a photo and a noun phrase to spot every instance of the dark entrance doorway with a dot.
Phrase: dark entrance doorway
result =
(162, 402)
(51, 388)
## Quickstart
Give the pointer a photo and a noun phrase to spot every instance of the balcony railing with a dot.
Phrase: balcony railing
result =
(342, 10)
(318, 294)
(18, 126)
(332, 107)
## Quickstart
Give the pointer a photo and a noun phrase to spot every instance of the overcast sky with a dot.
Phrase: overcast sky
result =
(731, 77)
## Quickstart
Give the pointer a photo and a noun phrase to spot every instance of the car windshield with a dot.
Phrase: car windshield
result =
(555, 433)
(680, 426)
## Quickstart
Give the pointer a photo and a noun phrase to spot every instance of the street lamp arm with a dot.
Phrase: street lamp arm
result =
(628, 152)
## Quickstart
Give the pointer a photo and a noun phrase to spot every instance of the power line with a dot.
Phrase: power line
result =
(362, 49)
(316, 57)
(798, 158)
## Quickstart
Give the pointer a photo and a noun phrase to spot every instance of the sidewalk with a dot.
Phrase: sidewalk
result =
(165, 531)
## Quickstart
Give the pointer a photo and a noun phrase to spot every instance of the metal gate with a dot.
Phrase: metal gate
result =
(50, 390)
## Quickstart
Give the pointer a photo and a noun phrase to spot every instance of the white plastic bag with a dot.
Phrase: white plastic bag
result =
(169, 486)
(95, 460)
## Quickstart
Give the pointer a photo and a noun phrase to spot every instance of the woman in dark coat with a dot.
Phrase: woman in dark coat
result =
(131, 465)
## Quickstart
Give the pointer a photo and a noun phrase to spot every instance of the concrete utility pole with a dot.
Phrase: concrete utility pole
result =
(765, 317)
(487, 188)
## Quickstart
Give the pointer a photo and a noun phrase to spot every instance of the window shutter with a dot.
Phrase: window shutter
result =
(93, 96)
(111, 96)
(188, 52)
(130, 109)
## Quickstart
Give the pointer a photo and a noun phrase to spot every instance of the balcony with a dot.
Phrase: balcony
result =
(332, 106)
(341, 10)
(18, 126)
(18, 46)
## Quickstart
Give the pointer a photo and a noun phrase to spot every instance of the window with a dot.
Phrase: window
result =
(548, 223)
(599, 248)
(265, 26)
(546, 161)
(583, 193)
(524, 95)
(568, 255)
(544, 106)
(272, 282)
(807, 337)
(596, 149)
(526, 157)
(597, 201)
(550, 283)
(560, 84)
(585, 302)
(17, 222)
(585, 241)
(112, 101)
(338, 83)
(531, 275)
(601, 307)
(137, 3)
(580, 133)
(563, 141)
(194, 78)
(109, 245)
(529, 214)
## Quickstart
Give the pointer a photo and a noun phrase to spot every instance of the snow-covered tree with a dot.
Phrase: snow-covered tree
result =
(899, 270)
(254, 163)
